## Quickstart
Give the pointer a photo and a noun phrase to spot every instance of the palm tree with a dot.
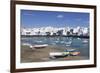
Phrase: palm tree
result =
(60, 32)
(48, 33)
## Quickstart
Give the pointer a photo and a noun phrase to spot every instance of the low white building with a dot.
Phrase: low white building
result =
(53, 30)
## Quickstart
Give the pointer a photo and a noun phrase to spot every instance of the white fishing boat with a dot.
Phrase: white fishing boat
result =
(79, 38)
(62, 41)
(70, 50)
(40, 46)
(68, 43)
(54, 55)
(56, 41)
(26, 44)
(39, 41)
(85, 41)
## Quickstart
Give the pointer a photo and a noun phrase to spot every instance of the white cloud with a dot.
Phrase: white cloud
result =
(60, 16)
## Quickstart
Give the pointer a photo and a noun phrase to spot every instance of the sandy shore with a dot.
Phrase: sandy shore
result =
(42, 55)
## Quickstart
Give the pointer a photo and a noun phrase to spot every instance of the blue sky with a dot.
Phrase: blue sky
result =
(33, 18)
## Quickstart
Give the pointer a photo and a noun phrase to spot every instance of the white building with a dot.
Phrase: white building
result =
(44, 30)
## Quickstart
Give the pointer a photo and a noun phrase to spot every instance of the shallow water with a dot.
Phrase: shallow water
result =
(80, 44)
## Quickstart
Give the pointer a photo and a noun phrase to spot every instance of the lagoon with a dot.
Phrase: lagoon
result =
(80, 44)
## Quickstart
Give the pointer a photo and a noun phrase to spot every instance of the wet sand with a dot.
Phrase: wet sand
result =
(42, 54)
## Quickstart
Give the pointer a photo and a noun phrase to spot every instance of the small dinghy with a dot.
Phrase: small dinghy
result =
(71, 52)
(68, 43)
(54, 55)
(74, 53)
(26, 44)
(85, 41)
(40, 46)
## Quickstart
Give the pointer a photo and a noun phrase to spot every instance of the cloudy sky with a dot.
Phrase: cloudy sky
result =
(33, 18)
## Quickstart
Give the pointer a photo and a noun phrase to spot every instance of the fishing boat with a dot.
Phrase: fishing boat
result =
(40, 46)
(39, 41)
(85, 41)
(26, 44)
(54, 55)
(72, 52)
(79, 38)
(68, 43)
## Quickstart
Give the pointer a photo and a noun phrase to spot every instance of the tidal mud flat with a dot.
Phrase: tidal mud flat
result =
(42, 54)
